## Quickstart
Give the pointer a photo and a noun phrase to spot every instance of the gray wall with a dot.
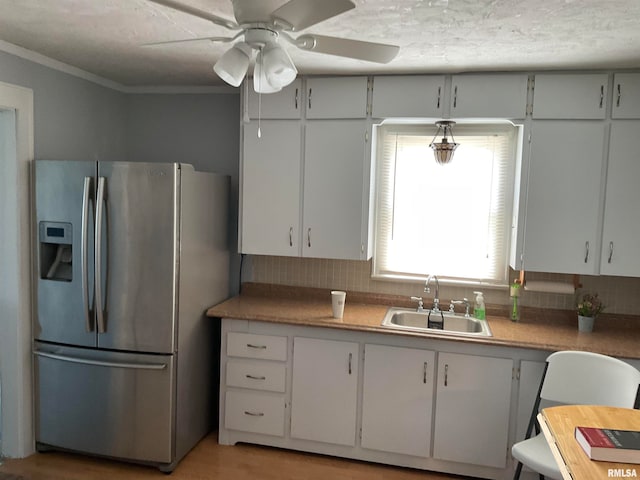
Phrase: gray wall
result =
(73, 118)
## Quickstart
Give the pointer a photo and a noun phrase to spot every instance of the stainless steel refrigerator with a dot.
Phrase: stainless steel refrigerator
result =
(129, 256)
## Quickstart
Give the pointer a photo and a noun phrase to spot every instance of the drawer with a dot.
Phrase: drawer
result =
(264, 347)
(254, 412)
(256, 375)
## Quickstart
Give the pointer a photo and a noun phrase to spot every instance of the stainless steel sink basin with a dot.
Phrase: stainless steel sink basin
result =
(456, 325)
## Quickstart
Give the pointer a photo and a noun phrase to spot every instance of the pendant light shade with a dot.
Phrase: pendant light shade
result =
(443, 151)
(278, 66)
(233, 65)
(261, 83)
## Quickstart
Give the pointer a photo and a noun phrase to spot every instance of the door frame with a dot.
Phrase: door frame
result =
(16, 369)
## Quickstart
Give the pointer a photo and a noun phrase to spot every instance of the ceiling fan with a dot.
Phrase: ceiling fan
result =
(260, 30)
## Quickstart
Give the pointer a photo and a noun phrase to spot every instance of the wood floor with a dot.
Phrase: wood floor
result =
(208, 460)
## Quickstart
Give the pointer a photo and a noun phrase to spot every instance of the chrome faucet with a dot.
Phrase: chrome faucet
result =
(436, 297)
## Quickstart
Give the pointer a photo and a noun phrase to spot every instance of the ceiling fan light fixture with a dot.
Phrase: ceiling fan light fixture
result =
(233, 65)
(261, 83)
(443, 150)
(278, 66)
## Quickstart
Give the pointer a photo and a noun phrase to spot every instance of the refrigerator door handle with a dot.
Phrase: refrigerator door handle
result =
(84, 254)
(98, 255)
(100, 363)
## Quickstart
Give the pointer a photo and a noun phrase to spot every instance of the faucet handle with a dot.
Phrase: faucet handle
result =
(467, 305)
(420, 303)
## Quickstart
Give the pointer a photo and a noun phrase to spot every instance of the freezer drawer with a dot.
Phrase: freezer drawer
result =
(106, 403)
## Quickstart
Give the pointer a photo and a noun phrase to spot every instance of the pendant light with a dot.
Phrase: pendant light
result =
(443, 151)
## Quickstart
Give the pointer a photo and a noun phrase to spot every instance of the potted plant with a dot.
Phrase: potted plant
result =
(589, 307)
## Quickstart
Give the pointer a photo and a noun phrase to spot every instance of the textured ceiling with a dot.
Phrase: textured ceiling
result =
(105, 37)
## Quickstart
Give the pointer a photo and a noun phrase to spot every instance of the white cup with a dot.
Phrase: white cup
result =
(337, 302)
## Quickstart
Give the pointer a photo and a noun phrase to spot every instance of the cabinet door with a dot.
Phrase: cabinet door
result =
(335, 207)
(626, 95)
(397, 399)
(563, 200)
(408, 96)
(343, 97)
(472, 409)
(489, 96)
(574, 96)
(286, 103)
(270, 202)
(620, 255)
(324, 390)
(530, 378)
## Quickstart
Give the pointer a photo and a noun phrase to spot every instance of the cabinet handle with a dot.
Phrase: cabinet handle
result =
(254, 377)
(601, 95)
(610, 252)
(254, 414)
(350, 358)
(424, 373)
(455, 96)
(439, 91)
(295, 99)
(586, 251)
(309, 237)
(619, 96)
(309, 98)
(446, 374)
(291, 236)
(260, 347)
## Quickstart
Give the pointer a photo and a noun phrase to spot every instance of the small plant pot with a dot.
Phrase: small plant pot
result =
(585, 324)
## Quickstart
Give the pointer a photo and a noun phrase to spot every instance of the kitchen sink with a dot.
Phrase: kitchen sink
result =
(452, 324)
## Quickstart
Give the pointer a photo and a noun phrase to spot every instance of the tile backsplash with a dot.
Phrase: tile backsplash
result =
(620, 294)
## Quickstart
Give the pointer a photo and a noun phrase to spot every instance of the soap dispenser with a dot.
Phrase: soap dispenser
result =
(479, 310)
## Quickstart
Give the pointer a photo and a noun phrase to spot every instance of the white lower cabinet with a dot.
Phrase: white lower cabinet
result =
(425, 403)
(254, 412)
(324, 390)
(397, 399)
(472, 409)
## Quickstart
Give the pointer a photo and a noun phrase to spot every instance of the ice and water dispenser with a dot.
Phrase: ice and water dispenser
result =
(56, 251)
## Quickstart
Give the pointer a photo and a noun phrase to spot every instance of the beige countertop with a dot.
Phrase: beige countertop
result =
(542, 329)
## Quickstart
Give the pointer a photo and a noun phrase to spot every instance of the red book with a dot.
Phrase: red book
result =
(609, 445)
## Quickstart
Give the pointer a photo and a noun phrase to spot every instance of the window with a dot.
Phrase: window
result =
(453, 220)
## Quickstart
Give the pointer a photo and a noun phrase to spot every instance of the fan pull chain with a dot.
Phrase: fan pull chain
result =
(260, 95)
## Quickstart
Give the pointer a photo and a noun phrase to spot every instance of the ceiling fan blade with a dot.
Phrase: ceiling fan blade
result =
(185, 40)
(342, 47)
(223, 22)
(300, 14)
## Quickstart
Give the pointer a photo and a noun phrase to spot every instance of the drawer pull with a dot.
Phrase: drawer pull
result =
(259, 347)
(254, 377)
(254, 414)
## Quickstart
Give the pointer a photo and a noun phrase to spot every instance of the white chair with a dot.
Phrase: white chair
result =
(575, 378)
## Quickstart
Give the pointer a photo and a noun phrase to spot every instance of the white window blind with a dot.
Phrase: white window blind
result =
(450, 220)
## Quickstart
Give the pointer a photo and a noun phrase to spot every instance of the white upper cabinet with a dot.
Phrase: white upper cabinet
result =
(338, 97)
(408, 96)
(563, 200)
(286, 103)
(403, 379)
(270, 190)
(571, 96)
(336, 190)
(626, 95)
(621, 231)
(489, 96)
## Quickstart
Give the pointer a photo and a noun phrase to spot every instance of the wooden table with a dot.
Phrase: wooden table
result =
(558, 425)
